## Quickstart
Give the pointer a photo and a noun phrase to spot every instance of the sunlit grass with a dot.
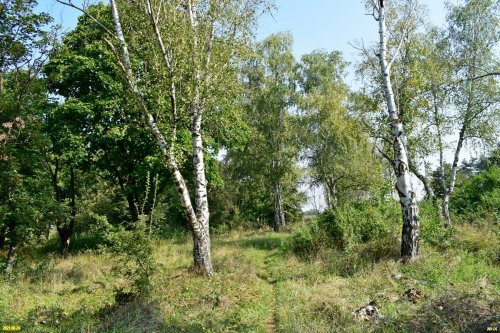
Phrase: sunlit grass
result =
(260, 286)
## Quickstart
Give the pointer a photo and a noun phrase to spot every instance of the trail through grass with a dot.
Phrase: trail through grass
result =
(258, 287)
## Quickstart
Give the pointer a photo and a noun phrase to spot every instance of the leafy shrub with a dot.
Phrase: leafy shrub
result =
(307, 240)
(346, 226)
(478, 198)
(432, 229)
(132, 252)
(479, 239)
(350, 224)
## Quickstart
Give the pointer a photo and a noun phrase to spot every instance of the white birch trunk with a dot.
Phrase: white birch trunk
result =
(445, 213)
(201, 249)
(453, 176)
(407, 197)
(198, 220)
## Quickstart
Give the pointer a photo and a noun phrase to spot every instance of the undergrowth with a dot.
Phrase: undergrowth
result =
(286, 282)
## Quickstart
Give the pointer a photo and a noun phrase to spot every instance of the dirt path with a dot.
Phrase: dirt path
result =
(272, 318)
(269, 245)
(271, 321)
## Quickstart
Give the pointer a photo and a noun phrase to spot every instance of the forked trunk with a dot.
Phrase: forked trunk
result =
(10, 258)
(407, 197)
(198, 216)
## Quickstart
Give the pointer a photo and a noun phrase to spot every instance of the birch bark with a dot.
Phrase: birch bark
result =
(407, 197)
(198, 218)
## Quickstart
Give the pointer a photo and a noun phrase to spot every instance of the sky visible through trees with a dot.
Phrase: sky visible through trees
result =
(314, 25)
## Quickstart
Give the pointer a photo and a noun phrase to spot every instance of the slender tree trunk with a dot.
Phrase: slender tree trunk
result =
(2, 236)
(442, 182)
(66, 230)
(279, 214)
(132, 207)
(428, 189)
(332, 192)
(328, 199)
(65, 237)
(10, 258)
(407, 197)
(453, 177)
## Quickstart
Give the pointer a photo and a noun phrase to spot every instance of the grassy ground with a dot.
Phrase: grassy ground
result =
(259, 286)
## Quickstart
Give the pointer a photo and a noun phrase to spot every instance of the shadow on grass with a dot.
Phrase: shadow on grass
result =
(264, 243)
(136, 316)
(79, 243)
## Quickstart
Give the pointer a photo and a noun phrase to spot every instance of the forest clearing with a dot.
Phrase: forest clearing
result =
(169, 166)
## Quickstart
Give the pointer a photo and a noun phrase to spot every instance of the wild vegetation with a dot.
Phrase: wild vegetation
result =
(153, 162)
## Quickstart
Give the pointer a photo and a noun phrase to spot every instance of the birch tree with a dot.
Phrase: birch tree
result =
(473, 37)
(177, 58)
(270, 78)
(400, 162)
(336, 147)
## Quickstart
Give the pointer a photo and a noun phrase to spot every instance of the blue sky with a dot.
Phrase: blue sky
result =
(315, 24)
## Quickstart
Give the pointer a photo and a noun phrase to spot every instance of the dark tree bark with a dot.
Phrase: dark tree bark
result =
(279, 214)
(10, 257)
(2, 236)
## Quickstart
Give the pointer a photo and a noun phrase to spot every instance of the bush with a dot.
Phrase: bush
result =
(432, 229)
(350, 224)
(479, 198)
(346, 226)
(307, 240)
(132, 252)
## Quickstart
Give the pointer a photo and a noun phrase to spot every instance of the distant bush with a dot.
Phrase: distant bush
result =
(354, 223)
(307, 239)
(479, 197)
(346, 226)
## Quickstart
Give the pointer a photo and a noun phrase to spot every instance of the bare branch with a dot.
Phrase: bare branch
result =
(69, 3)
(404, 34)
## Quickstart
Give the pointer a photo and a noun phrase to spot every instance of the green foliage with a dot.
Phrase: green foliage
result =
(308, 239)
(359, 223)
(23, 98)
(336, 145)
(268, 158)
(346, 227)
(432, 229)
(132, 253)
(479, 197)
